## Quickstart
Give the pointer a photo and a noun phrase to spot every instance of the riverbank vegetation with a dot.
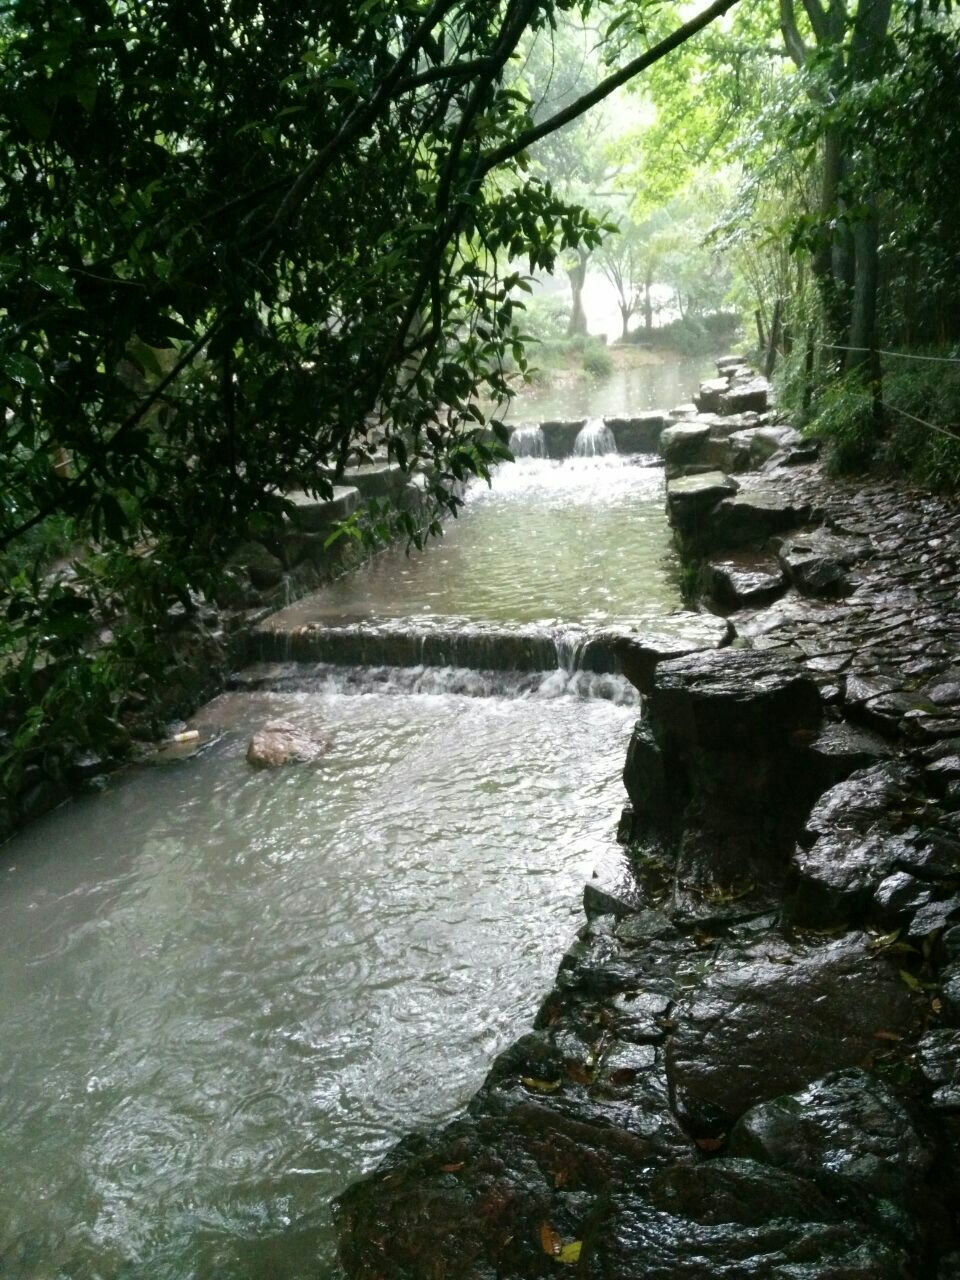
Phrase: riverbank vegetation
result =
(243, 247)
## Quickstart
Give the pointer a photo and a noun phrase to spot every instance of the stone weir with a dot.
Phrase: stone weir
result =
(625, 648)
(749, 1065)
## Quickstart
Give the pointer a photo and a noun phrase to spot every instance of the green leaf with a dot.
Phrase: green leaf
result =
(22, 370)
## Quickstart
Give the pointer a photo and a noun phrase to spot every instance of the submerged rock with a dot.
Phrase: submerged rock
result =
(280, 742)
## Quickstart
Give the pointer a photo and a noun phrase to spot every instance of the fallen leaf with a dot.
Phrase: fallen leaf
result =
(570, 1253)
(452, 1168)
(709, 1144)
(884, 940)
(887, 1035)
(774, 959)
(541, 1086)
(913, 983)
(550, 1242)
(936, 1004)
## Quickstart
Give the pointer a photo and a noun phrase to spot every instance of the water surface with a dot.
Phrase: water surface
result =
(225, 994)
(580, 541)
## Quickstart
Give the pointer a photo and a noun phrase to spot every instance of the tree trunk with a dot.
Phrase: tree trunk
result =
(863, 317)
(578, 277)
(625, 314)
(648, 302)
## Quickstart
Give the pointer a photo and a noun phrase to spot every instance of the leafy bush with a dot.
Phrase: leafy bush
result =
(843, 417)
(597, 360)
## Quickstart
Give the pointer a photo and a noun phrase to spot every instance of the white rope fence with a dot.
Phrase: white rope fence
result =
(905, 355)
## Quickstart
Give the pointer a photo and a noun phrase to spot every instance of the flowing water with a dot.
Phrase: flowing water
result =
(583, 540)
(225, 994)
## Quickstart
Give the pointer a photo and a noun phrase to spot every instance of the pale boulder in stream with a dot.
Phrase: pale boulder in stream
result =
(279, 742)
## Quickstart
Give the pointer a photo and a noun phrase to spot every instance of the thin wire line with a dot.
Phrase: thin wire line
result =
(899, 355)
(951, 435)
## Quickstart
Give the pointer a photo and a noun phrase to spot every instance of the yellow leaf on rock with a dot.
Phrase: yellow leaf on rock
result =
(541, 1086)
(570, 1253)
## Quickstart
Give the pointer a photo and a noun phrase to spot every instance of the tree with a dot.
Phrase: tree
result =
(229, 235)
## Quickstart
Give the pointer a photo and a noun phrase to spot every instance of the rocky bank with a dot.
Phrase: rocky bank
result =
(748, 1065)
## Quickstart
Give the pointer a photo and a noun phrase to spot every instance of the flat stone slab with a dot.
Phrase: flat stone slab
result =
(640, 652)
(691, 498)
(773, 1018)
(750, 517)
(817, 563)
(683, 441)
(742, 397)
(688, 410)
(315, 514)
(708, 397)
(733, 699)
(745, 579)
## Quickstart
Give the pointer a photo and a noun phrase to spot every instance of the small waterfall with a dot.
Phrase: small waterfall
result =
(528, 442)
(594, 440)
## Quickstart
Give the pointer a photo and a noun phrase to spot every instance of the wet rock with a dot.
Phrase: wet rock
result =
(633, 1238)
(736, 1190)
(841, 749)
(744, 397)
(639, 434)
(732, 699)
(559, 436)
(643, 775)
(597, 902)
(469, 1201)
(262, 567)
(747, 1034)
(744, 579)
(691, 498)
(639, 653)
(933, 917)
(641, 1015)
(314, 514)
(684, 442)
(751, 518)
(938, 1055)
(708, 397)
(945, 695)
(899, 896)
(852, 848)
(950, 992)
(817, 563)
(686, 410)
(279, 742)
(848, 1133)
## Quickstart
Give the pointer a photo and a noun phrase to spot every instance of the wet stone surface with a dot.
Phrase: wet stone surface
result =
(748, 1066)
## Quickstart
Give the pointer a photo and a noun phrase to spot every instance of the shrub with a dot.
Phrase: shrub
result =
(597, 360)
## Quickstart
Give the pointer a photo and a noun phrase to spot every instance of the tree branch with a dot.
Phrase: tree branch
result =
(792, 39)
(606, 87)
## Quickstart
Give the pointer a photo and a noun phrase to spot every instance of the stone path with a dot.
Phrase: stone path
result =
(749, 1065)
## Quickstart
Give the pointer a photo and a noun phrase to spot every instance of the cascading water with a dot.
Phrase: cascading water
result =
(527, 441)
(594, 440)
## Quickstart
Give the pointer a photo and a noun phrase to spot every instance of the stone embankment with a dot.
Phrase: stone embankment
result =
(749, 1065)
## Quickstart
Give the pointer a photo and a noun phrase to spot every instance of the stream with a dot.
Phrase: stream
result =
(225, 994)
